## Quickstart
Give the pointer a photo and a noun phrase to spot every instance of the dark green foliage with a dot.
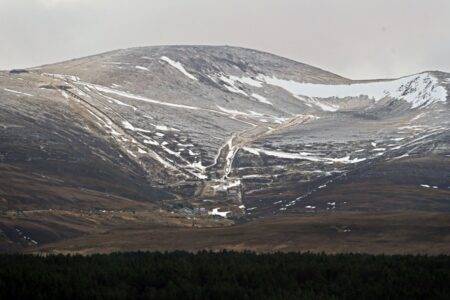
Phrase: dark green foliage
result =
(224, 275)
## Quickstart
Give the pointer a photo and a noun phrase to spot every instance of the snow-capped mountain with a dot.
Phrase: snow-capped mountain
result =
(225, 131)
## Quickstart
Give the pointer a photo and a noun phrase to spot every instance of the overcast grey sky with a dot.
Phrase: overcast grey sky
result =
(354, 38)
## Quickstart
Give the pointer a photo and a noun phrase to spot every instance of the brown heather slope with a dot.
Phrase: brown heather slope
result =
(339, 232)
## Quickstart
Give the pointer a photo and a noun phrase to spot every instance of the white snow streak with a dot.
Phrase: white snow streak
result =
(140, 98)
(261, 99)
(179, 67)
(232, 111)
(129, 126)
(303, 156)
(18, 93)
(142, 68)
(244, 80)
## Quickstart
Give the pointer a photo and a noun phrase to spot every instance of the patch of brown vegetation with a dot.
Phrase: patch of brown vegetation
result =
(402, 232)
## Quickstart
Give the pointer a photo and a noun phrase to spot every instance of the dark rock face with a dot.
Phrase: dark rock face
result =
(227, 131)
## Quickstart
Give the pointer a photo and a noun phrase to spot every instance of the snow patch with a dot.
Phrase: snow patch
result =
(131, 153)
(216, 212)
(235, 90)
(165, 128)
(136, 97)
(245, 80)
(18, 93)
(418, 90)
(118, 102)
(191, 153)
(230, 84)
(128, 125)
(232, 111)
(261, 99)
(303, 156)
(428, 186)
(151, 142)
(179, 67)
(142, 68)
(224, 186)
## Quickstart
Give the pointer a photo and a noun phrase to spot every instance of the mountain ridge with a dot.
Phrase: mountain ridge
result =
(177, 46)
(225, 46)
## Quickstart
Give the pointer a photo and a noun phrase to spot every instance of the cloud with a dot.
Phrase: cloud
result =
(52, 3)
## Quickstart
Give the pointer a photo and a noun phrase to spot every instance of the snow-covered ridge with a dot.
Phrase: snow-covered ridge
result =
(419, 90)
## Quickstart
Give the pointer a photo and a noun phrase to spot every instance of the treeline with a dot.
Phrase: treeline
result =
(224, 275)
